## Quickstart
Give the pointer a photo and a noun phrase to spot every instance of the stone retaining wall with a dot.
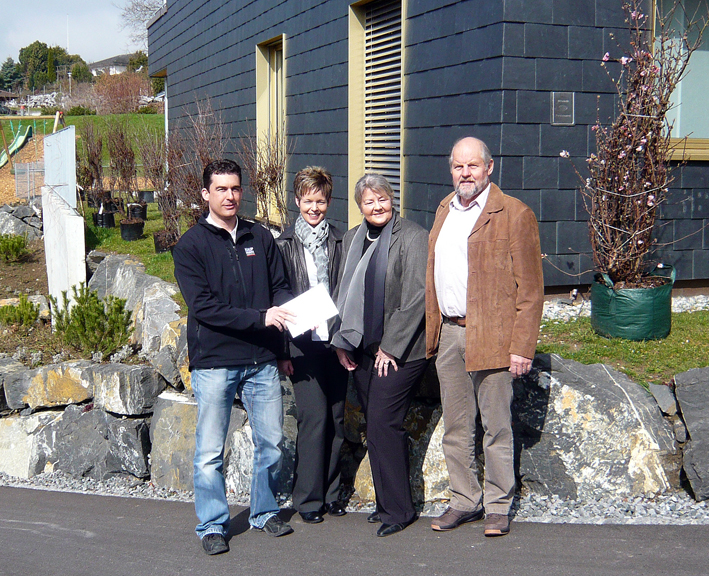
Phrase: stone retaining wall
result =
(580, 431)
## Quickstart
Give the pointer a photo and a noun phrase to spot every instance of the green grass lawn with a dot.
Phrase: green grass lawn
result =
(652, 361)
(109, 240)
(45, 126)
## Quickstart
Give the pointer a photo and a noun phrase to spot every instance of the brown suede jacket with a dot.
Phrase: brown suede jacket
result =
(505, 284)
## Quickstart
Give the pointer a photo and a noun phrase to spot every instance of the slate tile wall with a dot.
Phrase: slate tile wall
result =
(486, 69)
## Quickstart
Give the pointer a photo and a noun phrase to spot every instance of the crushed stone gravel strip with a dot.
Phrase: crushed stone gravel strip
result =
(672, 508)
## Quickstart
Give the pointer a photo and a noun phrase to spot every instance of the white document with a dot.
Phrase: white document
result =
(311, 308)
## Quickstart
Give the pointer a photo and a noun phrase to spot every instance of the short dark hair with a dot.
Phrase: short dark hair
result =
(374, 182)
(219, 167)
(315, 179)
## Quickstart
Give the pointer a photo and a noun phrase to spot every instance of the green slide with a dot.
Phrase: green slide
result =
(17, 143)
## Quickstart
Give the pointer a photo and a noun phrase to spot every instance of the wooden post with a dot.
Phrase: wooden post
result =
(7, 150)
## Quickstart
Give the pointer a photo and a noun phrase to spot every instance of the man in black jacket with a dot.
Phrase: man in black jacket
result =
(231, 275)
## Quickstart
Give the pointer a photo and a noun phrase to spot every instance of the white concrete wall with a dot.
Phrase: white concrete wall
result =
(63, 244)
(60, 163)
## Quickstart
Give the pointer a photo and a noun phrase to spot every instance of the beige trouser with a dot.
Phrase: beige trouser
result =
(463, 394)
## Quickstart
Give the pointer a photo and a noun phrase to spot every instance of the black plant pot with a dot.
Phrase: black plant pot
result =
(138, 211)
(163, 242)
(147, 196)
(131, 230)
(105, 220)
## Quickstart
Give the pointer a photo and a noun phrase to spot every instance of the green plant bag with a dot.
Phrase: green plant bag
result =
(633, 313)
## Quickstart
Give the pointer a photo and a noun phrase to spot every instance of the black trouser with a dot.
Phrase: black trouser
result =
(320, 386)
(385, 402)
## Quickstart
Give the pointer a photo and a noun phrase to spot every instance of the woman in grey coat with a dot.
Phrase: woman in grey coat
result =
(381, 338)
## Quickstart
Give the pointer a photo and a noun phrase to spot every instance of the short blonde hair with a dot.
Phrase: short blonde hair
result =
(375, 182)
(312, 178)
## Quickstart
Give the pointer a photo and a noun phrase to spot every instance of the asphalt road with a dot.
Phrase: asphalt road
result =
(54, 533)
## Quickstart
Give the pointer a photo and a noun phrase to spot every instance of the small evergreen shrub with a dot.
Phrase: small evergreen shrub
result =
(148, 109)
(92, 325)
(80, 111)
(13, 248)
(24, 314)
(50, 110)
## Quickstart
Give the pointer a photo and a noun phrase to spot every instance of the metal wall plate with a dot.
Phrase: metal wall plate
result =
(562, 109)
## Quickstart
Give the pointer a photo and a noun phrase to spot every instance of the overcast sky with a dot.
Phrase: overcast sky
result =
(94, 27)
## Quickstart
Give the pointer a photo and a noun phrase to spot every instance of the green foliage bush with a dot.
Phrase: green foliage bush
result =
(81, 111)
(149, 109)
(91, 325)
(24, 314)
(13, 248)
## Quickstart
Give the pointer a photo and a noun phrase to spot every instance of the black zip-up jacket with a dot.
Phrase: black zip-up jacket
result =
(228, 287)
(297, 273)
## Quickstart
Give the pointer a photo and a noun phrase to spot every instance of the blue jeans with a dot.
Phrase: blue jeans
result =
(259, 388)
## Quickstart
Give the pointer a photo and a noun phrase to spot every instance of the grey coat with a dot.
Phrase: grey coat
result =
(404, 290)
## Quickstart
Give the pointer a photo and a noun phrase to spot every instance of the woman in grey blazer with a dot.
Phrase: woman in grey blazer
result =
(381, 338)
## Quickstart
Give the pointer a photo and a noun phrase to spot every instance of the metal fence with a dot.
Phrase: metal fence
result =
(29, 179)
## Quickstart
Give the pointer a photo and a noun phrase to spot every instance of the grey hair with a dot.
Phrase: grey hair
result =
(375, 182)
(484, 150)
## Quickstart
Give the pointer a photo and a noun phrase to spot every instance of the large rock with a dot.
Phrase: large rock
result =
(124, 389)
(164, 363)
(20, 443)
(147, 297)
(172, 434)
(692, 390)
(175, 336)
(8, 366)
(16, 227)
(17, 382)
(92, 443)
(58, 385)
(153, 313)
(586, 431)
(122, 276)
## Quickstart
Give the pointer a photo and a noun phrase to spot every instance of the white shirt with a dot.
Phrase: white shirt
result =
(450, 271)
(320, 334)
(214, 223)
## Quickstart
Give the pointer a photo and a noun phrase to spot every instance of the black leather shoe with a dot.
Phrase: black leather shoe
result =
(311, 517)
(214, 544)
(374, 518)
(389, 529)
(335, 508)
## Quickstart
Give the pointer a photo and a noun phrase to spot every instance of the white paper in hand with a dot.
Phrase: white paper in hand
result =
(311, 308)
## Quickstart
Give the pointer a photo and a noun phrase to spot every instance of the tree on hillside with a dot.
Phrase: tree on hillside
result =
(135, 15)
(138, 62)
(80, 73)
(10, 76)
(33, 61)
(51, 67)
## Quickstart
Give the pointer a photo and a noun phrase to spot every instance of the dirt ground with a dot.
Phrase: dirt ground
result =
(33, 151)
(29, 277)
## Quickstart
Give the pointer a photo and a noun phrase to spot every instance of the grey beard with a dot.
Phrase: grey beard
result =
(476, 191)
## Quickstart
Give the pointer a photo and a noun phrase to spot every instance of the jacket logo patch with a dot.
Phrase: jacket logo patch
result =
(249, 251)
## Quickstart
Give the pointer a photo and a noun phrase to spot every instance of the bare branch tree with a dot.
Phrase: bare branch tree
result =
(630, 171)
(135, 15)
(264, 159)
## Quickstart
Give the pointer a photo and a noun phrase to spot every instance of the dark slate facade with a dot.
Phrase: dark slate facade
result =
(486, 69)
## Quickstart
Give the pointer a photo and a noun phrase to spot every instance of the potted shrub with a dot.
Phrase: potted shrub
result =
(123, 175)
(630, 175)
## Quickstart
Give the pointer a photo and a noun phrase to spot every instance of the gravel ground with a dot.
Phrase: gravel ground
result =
(670, 508)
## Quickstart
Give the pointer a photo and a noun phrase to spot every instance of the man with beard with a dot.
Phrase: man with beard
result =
(484, 297)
